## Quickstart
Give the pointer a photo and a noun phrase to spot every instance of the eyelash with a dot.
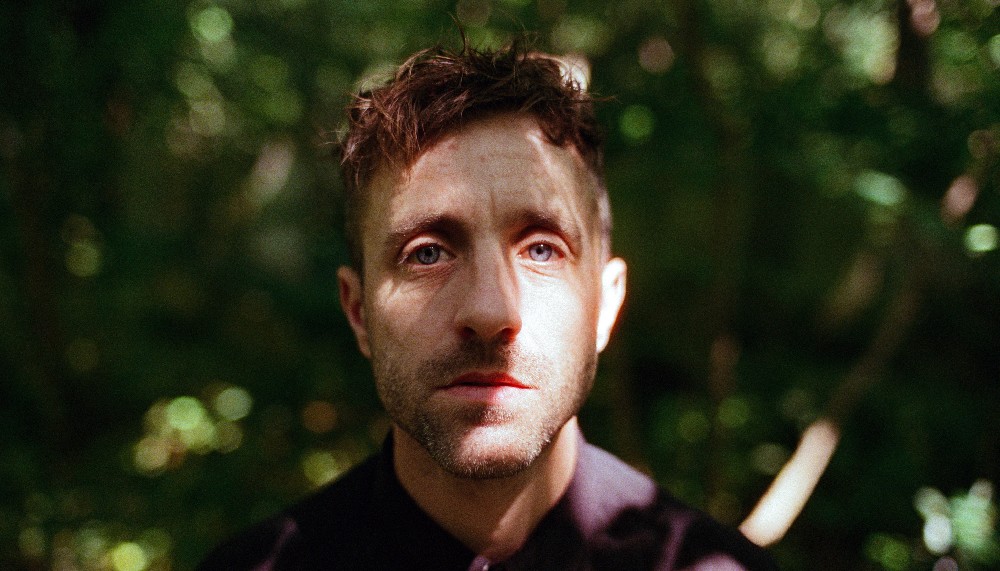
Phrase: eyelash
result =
(409, 257)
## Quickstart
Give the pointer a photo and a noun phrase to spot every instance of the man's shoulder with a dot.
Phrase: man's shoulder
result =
(632, 518)
(315, 526)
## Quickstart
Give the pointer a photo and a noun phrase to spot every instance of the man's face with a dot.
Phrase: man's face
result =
(486, 296)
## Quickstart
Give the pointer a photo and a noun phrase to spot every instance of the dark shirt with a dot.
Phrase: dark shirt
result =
(611, 517)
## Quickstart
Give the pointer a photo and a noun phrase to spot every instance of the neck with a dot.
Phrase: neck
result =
(493, 517)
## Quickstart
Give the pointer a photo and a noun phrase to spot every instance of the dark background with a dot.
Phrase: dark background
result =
(807, 193)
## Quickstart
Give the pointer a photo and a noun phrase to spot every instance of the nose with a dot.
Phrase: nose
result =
(489, 307)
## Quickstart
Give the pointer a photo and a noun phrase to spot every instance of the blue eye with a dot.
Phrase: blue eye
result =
(540, 252)
(427, 255)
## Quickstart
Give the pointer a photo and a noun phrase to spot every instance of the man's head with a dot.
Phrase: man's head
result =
(483, 288)
(436, 91)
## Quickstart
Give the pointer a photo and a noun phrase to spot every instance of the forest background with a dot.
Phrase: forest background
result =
(807, 193)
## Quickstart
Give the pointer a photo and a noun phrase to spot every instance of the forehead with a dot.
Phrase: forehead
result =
(489, 167)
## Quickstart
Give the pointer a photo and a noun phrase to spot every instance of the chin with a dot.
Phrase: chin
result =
(486, 454)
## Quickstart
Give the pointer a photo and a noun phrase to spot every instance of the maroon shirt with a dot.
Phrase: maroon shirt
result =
(611, 517)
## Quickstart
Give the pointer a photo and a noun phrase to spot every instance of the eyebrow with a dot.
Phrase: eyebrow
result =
(456, 229)
(445, 224)
(529, 218)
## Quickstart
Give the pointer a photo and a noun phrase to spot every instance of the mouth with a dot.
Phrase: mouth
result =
(492, 388)
(490, 379)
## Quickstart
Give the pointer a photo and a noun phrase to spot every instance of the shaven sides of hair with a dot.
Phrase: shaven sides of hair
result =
(437, 91)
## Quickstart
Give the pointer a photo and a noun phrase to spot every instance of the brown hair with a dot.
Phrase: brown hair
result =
(437, 91)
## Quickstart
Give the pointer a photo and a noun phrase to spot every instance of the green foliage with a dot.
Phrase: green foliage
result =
(806, 191)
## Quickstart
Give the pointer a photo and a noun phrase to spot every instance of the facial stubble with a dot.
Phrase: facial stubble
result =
(483, 440)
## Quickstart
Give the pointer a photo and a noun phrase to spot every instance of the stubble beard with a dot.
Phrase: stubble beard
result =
(483, 441)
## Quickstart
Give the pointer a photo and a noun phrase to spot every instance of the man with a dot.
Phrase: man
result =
(482, 288)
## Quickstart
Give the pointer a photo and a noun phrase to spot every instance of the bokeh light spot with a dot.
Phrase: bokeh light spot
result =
(270, 72)
(892, 553)
(320, 467)
(781, 53)
(693, 426)
(83, 259)
(319, 417)
(768, 458)
(156, 542)
(233, 403)
(994, 48)
(578, 33)
(228, 437)
(128, 556)
(981, 238)
(959, 198)
(32, 542)
(212, 24)
(185, 413)
(636, 123)
(734, 412)
(200, 438)
(151, 454)
(655, 55)
(880, 188)
(937, 534)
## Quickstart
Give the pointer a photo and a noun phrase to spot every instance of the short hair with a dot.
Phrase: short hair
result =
(437, 91)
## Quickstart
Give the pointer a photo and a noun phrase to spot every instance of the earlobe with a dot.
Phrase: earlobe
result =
(612, 297)
(352, 302)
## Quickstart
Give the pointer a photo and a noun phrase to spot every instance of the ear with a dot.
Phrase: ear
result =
(352, 302)
(612, 296)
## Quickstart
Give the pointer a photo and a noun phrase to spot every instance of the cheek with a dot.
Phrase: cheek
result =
(570, 311)
(400, 317)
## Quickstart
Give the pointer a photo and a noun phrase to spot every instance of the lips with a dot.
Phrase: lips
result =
(492, 388)
(477, 379)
